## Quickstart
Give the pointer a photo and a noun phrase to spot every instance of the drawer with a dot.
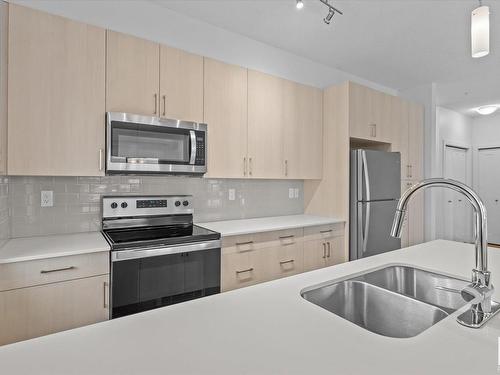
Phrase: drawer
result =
(323, 231)
(256, 241)
(242, 269)
(285, 260)
(50, 270)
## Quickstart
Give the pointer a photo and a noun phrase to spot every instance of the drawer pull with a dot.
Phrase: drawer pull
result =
(285, 237)
(58, 269)
(287, 261)
(244, 243)
(326, 231)
(243, 271)
(328, 243)
(324, 250)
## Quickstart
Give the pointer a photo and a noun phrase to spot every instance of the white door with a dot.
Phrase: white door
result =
(457, 212)
(488, 183)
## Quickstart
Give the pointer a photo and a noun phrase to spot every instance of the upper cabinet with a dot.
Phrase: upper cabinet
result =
(302, 131)
(225, 101)
(416, 143)
(369, 114)
(146, 78)
(56, 95)
(132, 75)
(181, 85)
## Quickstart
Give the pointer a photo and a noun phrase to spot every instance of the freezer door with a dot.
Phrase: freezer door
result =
(378, 175)
(373, 229)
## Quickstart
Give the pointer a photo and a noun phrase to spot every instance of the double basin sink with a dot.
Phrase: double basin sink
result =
(395, 301)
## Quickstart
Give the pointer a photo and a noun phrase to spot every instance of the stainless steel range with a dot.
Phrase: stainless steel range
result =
(158, 257)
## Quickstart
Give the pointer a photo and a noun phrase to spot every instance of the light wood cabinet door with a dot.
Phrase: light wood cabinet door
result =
(381, 115)
(314, 254)
(416, 143)
(225, 106)
(416, 219)
(335, 253)
(302, 131)
(265, 126)
(405, 239)
(56, 95)
(36, 311)
(361, 124)
(400, 133)
(132, 75)
(181, 85)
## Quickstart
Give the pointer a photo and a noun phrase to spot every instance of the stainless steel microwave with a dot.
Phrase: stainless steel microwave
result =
(141, 144)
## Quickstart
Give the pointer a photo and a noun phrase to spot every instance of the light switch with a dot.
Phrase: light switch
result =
(47, 198)
(232, 194)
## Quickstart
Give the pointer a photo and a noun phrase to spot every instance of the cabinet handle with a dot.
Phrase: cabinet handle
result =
(164, 105)
(326, 231)
(243, 271)
(58, 269)
(328, 256)
(287, 261)
(250, 166)
(286, 167)
(156, 103)
(324, 250)
(105, 287)
(101, 159)
(285, 237)
(411, 170)
(244, 166)
(244, 243)
(375, 130)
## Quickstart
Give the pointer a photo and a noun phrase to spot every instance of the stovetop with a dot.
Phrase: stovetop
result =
(167, 235)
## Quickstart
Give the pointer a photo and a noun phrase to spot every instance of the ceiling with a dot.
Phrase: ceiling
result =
(398, 43)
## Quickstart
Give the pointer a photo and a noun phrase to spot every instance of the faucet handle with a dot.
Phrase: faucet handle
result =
(481, 277)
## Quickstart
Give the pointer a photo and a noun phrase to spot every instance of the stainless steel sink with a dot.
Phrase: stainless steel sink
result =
(435, 289)
(396, 301)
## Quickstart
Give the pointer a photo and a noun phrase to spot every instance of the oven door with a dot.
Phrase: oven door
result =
(146, 281)
(141, 144)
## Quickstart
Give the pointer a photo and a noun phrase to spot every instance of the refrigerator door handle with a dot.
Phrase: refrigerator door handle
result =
(367, 176)
(366, 228)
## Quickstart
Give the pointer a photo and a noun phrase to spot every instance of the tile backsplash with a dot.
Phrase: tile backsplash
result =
(77, 200)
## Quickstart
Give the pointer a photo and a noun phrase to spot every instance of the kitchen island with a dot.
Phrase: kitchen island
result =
(270, 329)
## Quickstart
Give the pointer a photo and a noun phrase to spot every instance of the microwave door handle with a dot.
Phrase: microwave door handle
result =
(142, 160)
(192, 136)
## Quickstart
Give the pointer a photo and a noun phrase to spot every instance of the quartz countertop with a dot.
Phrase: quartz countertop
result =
(267, 224)
(41, 247)
(269, 329)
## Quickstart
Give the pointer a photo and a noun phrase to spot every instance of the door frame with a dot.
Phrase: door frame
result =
(475, 166)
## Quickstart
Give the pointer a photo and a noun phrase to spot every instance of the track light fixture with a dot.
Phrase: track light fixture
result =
(331, 12)
(299, 4)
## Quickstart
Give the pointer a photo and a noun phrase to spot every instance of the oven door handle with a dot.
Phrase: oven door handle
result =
(192, 136)
(119, 255)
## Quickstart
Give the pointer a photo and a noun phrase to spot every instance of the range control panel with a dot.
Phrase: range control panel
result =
(133, 206)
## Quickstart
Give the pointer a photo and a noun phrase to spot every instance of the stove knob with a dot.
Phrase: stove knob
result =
(114, 205)
(177, 203)
(124, 205)
(185, 203)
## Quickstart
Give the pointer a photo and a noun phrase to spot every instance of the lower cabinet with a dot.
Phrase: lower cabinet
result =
(255, 258)
(39, 310)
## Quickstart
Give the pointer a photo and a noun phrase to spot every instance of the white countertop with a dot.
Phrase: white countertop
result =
(270, 329)
(267, 224)
(41, 247)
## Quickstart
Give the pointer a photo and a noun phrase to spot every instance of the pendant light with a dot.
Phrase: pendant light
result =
(480, 31)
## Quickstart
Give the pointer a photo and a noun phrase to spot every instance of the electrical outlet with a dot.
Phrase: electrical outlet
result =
(296, 193)
(47, 198)
(290, 193)
(232, 194)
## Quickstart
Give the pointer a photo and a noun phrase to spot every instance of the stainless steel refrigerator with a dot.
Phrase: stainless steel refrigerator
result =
(375, 190)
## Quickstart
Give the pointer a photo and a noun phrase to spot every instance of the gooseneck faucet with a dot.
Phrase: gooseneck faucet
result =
(479, 292)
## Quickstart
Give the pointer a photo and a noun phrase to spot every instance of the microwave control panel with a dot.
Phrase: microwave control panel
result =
(200, 148)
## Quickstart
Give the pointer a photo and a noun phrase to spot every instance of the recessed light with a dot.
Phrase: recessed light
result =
(300, 4)
(487, 109)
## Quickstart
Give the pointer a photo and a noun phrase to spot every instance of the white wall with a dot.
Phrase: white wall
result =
(486, 130)
(149, 20)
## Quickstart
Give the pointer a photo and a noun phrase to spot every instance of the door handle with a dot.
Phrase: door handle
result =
(287, 261)
(156, 103)
(411, 171)
(101, 159)
(244, 166)
(192, 137)
(324, 250)
(250, 166)
(58, 270)
(286, 167)
(243, 271)
(328, 243)
(164, 105)
(105, 284)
